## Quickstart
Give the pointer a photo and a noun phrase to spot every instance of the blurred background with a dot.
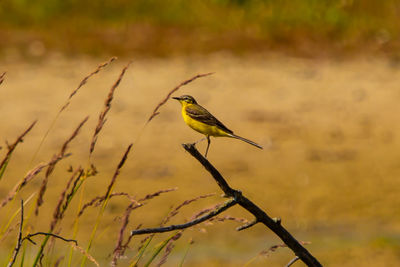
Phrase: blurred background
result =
(177, 27)
(315, 82)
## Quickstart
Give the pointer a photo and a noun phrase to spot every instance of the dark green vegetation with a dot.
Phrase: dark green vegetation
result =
(159, 27)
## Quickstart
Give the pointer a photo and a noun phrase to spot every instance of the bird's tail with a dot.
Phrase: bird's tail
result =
(246, 140)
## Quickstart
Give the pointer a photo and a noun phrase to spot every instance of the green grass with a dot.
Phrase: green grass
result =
(176, 26)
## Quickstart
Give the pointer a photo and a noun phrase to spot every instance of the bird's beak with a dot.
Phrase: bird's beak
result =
(177, 98)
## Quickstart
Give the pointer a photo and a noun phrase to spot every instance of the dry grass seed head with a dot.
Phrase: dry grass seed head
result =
(99, 199)
(116, 173)
(84, 81)
(119, 248)
(229, 218)
(2, 77)
(107, 107)
(159, 105)
(28, 177)
(58, 261)
(141, 202)
(71, 193)
(85, 253)
(156, 194)
(267, 252)
(12, 147)
(206, 210)
(57, 214)
(55, 160)
(169, 248)
(175, 211)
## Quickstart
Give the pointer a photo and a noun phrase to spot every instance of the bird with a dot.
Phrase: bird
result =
(202, 121)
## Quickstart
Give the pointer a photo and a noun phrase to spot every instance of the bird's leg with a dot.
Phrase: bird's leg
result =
(208, 145)
(198, 141)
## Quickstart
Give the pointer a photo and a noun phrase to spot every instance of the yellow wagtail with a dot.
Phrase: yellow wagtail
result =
(199, 119)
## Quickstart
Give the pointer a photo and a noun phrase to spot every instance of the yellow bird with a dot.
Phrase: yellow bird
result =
(199, 119)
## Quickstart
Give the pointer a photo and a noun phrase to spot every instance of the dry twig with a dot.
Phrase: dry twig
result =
(261, 216)
(201, 219)
(29, 237)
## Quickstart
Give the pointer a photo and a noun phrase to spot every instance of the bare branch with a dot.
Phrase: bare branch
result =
(260, 215)
(201, 219)
(28, 237)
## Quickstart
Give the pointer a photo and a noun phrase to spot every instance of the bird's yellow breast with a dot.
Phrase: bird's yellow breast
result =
(202, 127)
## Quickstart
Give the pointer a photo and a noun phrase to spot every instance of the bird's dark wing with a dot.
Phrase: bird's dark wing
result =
(199, 113)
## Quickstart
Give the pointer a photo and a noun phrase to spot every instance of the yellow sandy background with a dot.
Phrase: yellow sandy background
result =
(329, 169)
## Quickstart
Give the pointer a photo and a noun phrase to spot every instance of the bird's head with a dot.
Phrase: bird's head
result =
(186, 99)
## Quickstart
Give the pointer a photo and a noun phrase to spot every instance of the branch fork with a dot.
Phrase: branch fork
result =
(237, 198)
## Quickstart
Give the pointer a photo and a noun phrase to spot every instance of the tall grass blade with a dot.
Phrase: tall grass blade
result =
(4, 166)
(186, 253)
(141, 252)
(159, 249)
(15, 215)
